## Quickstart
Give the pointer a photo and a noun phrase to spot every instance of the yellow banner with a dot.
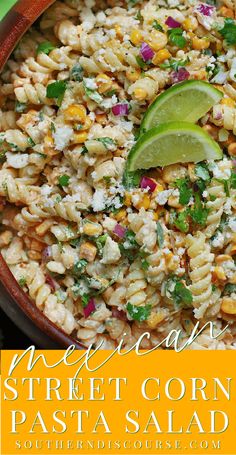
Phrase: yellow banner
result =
(76, 402)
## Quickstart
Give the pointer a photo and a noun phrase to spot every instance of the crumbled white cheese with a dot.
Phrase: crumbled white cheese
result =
(162, 196)
(17, 160)
(205, 193)
(227, 207)
(109, 223)
(232, 224)
(62, 137)
(46, 190)
(99, 200)
(111, 252)
(218, 241)
(90, 83)
(107, 103)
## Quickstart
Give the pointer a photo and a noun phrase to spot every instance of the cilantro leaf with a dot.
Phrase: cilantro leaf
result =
(181, 295)
(199, 213)
(100, 242)
(141, 62)
(144, 264)
(20, 107)
(64, 180)
(229, 289)
(107, 142)
(93, 94)
(157, 26)
(22, 281)
(79, 267)
(176, 37)
(185, 192)
(57, 90)
(174, 64)
(202, 172)
(139, 313)
(77, 73)
(229, 31)
(131, 179)
(233, 180)
(129, 248)
(225, 183)
(160, 235)
(180, 220)
(46, 47)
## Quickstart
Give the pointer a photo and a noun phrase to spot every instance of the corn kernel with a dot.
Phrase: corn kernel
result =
(127, 199)
(76, 113)
(155, 216)
(232, 149)
(90, 228)
(228, 305)
(101, 118)
(118, 31)
(200, 43)
(88, 251)
(133, 74)
(226, 12)
(48, 140)
(104, 83)
(87, 124)
(80, 138)
(140, 94)
(144, 202)
(190, 24)
(155, 318)
(158, 188)
(228, 102)
(136, 37)
(222, 258)
(158, 40)
(219, 273)
(120, 215)
(161, 56)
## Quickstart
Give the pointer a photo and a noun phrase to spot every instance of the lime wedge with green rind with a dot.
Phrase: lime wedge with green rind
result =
(171, 143)
(187, 101)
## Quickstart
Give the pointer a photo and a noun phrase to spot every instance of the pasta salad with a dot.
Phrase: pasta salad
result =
(105, 254)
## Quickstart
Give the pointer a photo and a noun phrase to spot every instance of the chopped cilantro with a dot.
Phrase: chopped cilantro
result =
(178, 292)
(93, 94)
(185, 191)
(110, 93)
(84, 150)
(64, 180)
(85, 300)
(180, 220)
(176, 37)
(107, 142)
(129, 248)
(20, 107)
(202, 172)
(198, 213)
(77, 73)
(139, 313)
(144, 264)
(229, 31)
(57, 90)
(233, 180)
(174, 64)
(225, 183)
(131, 179)
(46, 47)
(141, 62)
(157, 26)
(22, 281)
(139, 16)
(3, 156)
(160, 235)
(100, 242)
(229, 289)
(79, 267)
(30, 142)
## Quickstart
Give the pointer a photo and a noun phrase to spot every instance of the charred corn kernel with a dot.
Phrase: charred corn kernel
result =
(118, 31)
(127, 199)
(200, 43)
(140, 94)
(228, 305)
(158, 188)
(133, 74)
(101, 118)
(161, 56)
(157, 40)
(90, 228)
(104, 83)
(226, 12)
(136, 37)
(75, 113)
(222, 258)
(87, 124)
(232, 149)
(120, 215)
(88, 251)
(190, 24)
(155, 216)
(80, 138)
(219, 273)
(48, 140)
(155, 318)
(228, 102)
(144, 202)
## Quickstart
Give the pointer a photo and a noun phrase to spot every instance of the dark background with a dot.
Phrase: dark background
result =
(10, 336)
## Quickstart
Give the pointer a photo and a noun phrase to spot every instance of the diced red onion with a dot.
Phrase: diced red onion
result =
(218, 116)
(52, 283)
(146, 52)
(181, 75)
(119, 231)
(119, 314)
(89, 308)
(204, 9)
(46, 254)
(172, 23)
(146, 182)
(120, 109)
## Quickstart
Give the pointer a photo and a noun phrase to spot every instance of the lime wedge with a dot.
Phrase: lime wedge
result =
(187, 101)
(171, 143)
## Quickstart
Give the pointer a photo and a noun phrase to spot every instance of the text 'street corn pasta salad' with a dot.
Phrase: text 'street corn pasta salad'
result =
(107, 253)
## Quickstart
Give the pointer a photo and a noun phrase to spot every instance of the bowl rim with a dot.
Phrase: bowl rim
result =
(12, 27)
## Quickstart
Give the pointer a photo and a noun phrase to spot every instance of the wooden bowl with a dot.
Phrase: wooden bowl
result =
(12, 28)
